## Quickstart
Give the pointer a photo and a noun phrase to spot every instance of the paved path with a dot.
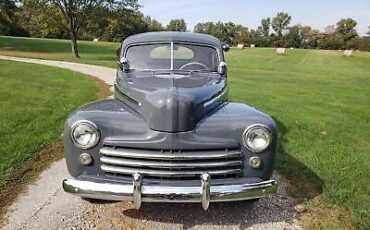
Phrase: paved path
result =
(46, 206)
(104, 73)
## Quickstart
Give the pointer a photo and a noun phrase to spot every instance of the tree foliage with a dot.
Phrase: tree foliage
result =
(177, 25)
(266, 24)
(346, 29)
(152, 24)
(38, 23)
(115, 20)
(280, 23)
(8, 21)
(72, 15)
(227, 32)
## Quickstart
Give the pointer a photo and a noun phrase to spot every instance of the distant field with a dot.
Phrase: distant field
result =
(321, 102)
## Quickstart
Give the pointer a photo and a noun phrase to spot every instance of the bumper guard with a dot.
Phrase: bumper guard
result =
(137, 193)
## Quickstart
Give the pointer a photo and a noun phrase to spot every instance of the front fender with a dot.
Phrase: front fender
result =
(121, 126)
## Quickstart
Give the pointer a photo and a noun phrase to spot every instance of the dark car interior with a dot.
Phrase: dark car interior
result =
(187, 57)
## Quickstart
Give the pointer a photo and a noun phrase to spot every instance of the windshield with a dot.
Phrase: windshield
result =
(172, 56)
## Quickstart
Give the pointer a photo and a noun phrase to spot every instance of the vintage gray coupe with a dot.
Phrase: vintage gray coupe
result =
(170, 134)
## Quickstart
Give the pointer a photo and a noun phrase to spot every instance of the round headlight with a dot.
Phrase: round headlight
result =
(85, 134)
(257, 138)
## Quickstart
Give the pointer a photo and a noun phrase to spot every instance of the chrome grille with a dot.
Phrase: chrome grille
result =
(170, 163)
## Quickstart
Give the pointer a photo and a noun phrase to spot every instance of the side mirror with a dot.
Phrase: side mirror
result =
(123, 64)
(222, 68)
(225, 47)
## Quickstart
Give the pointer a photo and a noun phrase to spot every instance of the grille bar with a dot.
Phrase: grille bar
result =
(166, 173)
(168, 164)
(158, 155)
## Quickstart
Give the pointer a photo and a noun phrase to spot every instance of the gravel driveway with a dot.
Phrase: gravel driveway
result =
(46, 206)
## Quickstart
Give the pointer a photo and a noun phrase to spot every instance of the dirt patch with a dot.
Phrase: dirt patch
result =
(17, 181)
(103, 89)
(315, 214)
(318, 216)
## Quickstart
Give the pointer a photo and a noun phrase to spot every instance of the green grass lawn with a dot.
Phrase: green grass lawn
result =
(34, 103)
(321, 102)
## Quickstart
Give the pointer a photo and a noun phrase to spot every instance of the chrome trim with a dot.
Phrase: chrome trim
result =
(74, 125)
(147, 154)
(136, 183)
(222, 68)
(171, 55)
(206, 190)
(167, 164)
(85, 159)
(246, 130)
(166, 173)
(255, 166)
(216, 98)
(170, 193)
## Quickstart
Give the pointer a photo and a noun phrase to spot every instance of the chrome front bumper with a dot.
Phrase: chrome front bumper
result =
(137, 192)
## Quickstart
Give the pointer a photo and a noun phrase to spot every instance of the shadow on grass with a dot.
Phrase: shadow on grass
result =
(304, 183)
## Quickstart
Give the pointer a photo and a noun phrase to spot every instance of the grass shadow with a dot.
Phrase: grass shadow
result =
(304, 183)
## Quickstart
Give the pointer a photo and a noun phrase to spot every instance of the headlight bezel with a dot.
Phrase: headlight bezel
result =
(249, 129)
(93, 126)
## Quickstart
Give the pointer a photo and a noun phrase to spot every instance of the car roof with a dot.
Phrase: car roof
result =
(172, 36)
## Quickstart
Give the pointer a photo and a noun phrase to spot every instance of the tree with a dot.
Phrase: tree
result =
(8, 21)
(266, 24)
(346, 28)
(331, 39)
(368, 31)
(7, 9)
(122, 25)
(242, 35)
(73, 14)
(309, 37)
(294, 36)
(229, 32)
(265, 28)
(153, 25)
(38, 23)
(279, 24)
(255, 37)
(97, 23)
(176, 25)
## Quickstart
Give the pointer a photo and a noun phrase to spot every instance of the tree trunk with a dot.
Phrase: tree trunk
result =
(74, 45)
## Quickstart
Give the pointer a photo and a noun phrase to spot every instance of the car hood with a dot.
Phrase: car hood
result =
(169, 101)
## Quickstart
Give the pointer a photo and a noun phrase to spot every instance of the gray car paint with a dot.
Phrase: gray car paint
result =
(137, 119)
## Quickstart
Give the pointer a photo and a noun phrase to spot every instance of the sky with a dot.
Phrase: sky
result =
(316, 13)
